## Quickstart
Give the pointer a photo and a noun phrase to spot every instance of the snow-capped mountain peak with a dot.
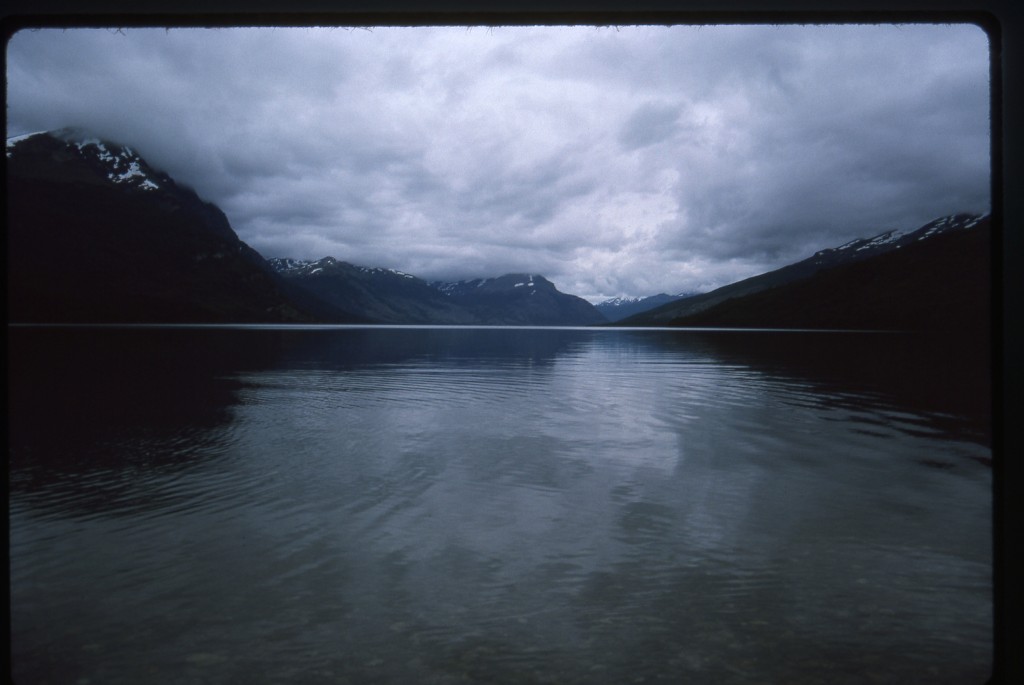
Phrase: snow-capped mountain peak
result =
(515, 282)
(954, 222)
(120, 164)
(14, 140)
(304, 267)
(861, 244)
(618, 308)
(123, 164)
(620, 301)
(893, 239)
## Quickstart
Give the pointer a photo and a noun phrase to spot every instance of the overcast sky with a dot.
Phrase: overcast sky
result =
(614, 161)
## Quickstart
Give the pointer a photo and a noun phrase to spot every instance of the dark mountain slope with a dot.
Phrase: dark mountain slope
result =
(97, 235)
(378, 295)
(853, 251)
(521, 299)
(938, 284)
(393, 297)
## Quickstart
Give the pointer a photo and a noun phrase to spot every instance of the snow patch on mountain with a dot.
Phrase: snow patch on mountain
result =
(893, 239)
(628, 300)
(14, 140)
(304, 267)
(948, 223)
(124, 164)
(860, 244)
(623, 306)
(621, 301)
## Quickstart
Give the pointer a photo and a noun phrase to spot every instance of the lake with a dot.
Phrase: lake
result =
(506, 505)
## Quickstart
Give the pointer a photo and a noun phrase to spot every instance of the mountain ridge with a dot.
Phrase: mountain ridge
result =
(102, 236)
(853, 251)
(618, 308)
(392, 296)
(938, 284)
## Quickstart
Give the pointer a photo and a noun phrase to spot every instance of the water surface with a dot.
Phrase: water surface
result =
(397, 505)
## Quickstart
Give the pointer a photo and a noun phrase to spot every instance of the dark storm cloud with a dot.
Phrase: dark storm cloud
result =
(625, 161)
(880, 139)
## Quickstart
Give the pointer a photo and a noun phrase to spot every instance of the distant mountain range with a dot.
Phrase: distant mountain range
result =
(373, 294)
(96, 234)
(520, 299)
(389, 296)
(619, 308)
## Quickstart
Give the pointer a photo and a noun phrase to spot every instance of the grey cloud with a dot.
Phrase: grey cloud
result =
(843, 155)
(618, 162)
(522, 198)
(649, 124)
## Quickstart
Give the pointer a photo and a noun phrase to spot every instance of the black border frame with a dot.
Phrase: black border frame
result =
(1001, 19)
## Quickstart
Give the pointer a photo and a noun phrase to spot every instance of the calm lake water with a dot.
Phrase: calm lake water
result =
(416, 505)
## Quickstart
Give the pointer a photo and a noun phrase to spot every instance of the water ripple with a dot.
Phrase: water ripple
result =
(584, 508)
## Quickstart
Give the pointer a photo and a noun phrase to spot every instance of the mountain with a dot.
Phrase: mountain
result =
(850, 253)
(393, 297)
(374, 294)
(96, 234)
(619, 308)
(937, 282)
(520, 299)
